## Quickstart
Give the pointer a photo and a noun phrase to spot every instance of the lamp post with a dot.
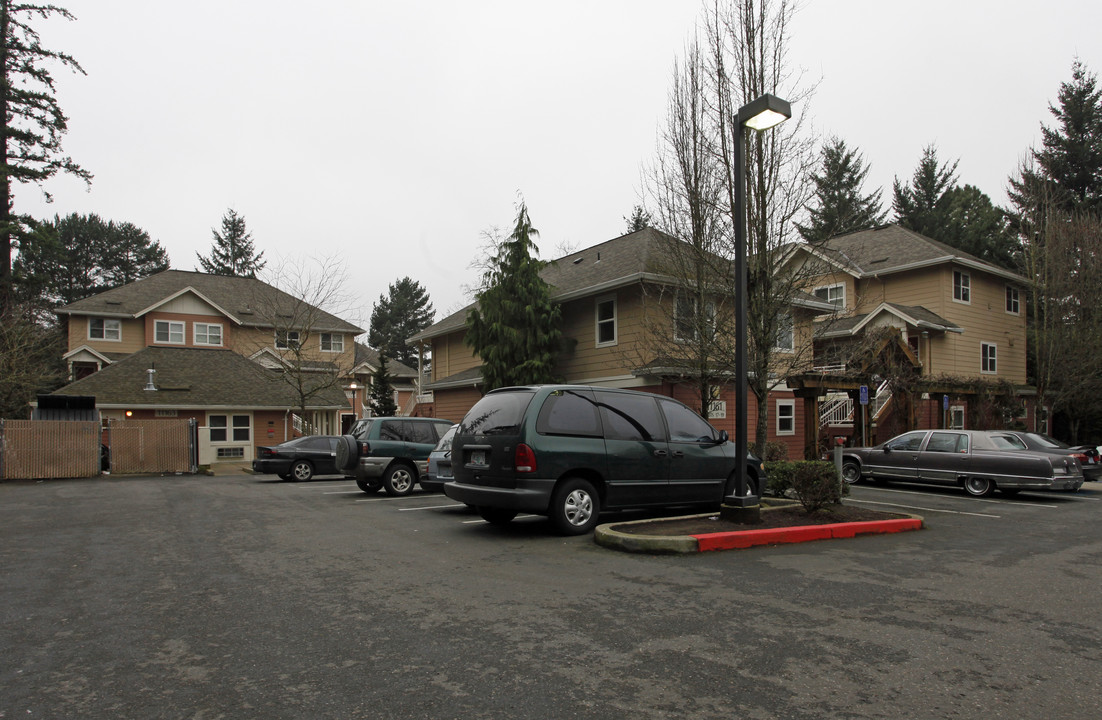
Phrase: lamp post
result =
(761, 114)
(352, 387)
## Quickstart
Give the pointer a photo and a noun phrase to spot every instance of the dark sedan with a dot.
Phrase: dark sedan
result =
(1018, 440)
(965, 458)
(300, 459)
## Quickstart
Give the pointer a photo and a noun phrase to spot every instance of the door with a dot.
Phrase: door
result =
(699, 462)
(636, 447)
(897, 459)
(944, 458)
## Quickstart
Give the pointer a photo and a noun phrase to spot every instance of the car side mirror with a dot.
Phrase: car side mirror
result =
(723, 437)
(887, 448)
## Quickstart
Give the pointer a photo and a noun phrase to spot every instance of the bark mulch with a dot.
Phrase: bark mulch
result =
(778, 517)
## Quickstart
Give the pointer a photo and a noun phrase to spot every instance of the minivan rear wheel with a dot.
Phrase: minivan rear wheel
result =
(575, 507)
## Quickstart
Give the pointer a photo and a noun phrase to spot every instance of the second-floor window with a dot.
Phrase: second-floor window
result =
(988, 358)
(786, 417)
(208, 334)
(606, 321)
(1013, 305)
(962, 286)
(833, 294)
(168, 331)
(286, 339)
(104, 329)
(332, 342)
(785, 336)
(687, 319)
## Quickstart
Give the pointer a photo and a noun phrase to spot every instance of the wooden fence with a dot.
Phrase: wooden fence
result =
(37, 449)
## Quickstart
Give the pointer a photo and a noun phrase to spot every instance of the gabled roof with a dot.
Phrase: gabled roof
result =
(626, 260)
(367, 360)
(236, 297)
(892, 249)
(914, 315)
(194, 378)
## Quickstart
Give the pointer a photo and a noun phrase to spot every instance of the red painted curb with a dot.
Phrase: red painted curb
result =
(804, 533)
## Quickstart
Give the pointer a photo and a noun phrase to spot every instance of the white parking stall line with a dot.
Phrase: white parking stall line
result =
(343, 492)
(924, 509)
(433, 507)
(476, 522)
(1017, 503)
(319, 487)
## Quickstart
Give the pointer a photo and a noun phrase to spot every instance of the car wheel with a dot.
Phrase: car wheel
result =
(347, 453)
(497, 516)
(369, 486)
(399, 479)
(575, 507)
(731, 487)
(302, 471)
(978, 487)
(851, 472)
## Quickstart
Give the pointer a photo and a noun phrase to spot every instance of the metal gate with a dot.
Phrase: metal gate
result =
(152, 446)
(40, 449)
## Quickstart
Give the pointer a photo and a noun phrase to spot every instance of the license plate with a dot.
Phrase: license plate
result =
(478, 457)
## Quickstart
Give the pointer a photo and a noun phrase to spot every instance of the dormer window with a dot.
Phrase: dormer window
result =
(169, 332)
(208, 334)
(332, 342)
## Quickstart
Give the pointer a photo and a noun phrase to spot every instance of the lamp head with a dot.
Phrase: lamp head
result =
(765, 112)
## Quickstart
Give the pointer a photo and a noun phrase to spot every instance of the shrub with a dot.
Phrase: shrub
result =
(815, 483)
(774, 451)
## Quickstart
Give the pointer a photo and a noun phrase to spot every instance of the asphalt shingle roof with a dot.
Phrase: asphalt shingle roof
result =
(194, 378)
(246, 299)
(370, 356)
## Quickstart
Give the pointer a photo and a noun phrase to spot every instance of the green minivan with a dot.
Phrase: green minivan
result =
(571, 451)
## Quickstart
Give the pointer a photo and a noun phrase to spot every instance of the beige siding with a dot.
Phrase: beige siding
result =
(454, 404)
(587, 361)
(132, 336)
(451, 355)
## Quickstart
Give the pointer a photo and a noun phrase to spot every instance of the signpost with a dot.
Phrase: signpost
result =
(864, 399)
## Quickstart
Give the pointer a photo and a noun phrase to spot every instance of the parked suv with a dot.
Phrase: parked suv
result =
(389, 452)
(570, 451)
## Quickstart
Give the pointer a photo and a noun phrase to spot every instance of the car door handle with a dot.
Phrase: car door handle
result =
(660, 453)
(678, 453)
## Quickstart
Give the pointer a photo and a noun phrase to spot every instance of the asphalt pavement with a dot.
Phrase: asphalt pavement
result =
(240, 596)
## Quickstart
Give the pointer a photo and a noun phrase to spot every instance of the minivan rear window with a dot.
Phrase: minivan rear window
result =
(497, 414)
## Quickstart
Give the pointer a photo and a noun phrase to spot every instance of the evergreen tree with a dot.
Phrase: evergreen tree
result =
(1069, 163)
(402, 314)
(232, 252)
(32, 121)
(72, 257)
(840, 206)
(921, 206)
(382, 392)
(516, 327)
(972, 223)
(638, 220)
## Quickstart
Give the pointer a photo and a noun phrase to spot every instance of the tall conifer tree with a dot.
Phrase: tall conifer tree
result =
(839, 205)
(232, 252)
(516, 327)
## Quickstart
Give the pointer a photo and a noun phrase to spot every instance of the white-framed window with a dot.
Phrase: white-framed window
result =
(956, 417)
(286, 339)
(786, 341)
(962, 286)
(989, 358)
(332, 342)
(168, 331)
(605, 319)
(104, 329)
(1013, 304)
(833, 294)
(208, 334)
(686, 319)
(226, 428)
(786, 417)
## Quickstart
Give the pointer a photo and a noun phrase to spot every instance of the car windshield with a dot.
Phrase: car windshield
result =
(497, 413)
(445, 443)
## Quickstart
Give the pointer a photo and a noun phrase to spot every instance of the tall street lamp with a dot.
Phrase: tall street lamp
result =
(761, 114)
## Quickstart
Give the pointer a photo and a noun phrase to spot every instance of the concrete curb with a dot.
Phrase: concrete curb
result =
(608, 536)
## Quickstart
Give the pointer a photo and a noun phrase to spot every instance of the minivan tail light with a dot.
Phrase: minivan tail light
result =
(524, 460)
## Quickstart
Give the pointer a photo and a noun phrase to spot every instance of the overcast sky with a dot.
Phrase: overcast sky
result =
(392, 134)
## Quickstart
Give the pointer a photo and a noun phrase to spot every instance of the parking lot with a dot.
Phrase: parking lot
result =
(242, 597)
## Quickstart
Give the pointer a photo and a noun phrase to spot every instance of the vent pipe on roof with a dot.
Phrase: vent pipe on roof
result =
(149, 384)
